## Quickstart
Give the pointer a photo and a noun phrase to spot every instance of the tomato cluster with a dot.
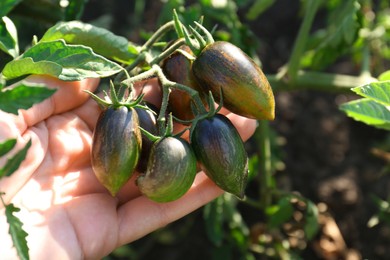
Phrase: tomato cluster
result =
(128, 137)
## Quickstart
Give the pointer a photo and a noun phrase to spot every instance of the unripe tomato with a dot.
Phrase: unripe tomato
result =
(170, 172)
(116, 147)
(246, 91)
(221, 153)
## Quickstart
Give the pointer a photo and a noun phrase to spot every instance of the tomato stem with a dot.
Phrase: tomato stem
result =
(157, 35)
(164, 105)
(174, 47)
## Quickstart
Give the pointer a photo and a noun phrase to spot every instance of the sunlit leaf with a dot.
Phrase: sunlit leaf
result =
(23, 97)
(8, 37)
(7, 146)
(384, 76)
(14, 162)
(369, 112)
(338, 37)
(377, 91)
(58, 59)
(16, 231)
(101, 41)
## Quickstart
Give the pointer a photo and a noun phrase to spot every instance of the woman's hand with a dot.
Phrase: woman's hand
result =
(66, 212)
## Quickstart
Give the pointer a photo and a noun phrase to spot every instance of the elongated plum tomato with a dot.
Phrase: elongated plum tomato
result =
(246, 90)
(170, 172)
(116, 147)
(221, 153)
(178, 69)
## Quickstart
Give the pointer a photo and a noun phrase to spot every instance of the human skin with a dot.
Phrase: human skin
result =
(66, 212)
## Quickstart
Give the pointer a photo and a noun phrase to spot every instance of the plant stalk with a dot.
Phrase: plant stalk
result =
(302, 37)
(157, 35)
(265, 177)
(306, 80)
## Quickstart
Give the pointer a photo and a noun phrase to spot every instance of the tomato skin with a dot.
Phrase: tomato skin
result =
(221, 153)
(147, 120)
(177, 68)
(116, 147)
(171, 170)
(246, 90)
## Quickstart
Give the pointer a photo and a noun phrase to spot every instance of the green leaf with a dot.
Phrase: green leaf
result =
(259, 7)
(14, 162)
(213, 215)
(75, 9)
(8, 37)
(280, 213)
(377, 91)
(27, 66)
(7, 146)
(369, 112)
(58, 59)
(311, 224)
(2, 82)
(99, 39)
(343, 23)
(23, 96)
(384, 76)
(16, 231)
(7, 5)
(338, 37)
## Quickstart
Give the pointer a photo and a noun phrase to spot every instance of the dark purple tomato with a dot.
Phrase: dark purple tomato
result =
(116, 147)
(221, 153)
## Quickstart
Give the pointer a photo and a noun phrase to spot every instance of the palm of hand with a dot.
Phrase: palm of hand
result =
(65, 211)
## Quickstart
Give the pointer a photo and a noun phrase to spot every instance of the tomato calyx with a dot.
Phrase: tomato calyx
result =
(194, 39)
(206, 114)
(113, 100)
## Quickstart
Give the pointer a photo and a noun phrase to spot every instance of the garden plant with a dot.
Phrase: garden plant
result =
(207, 57)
